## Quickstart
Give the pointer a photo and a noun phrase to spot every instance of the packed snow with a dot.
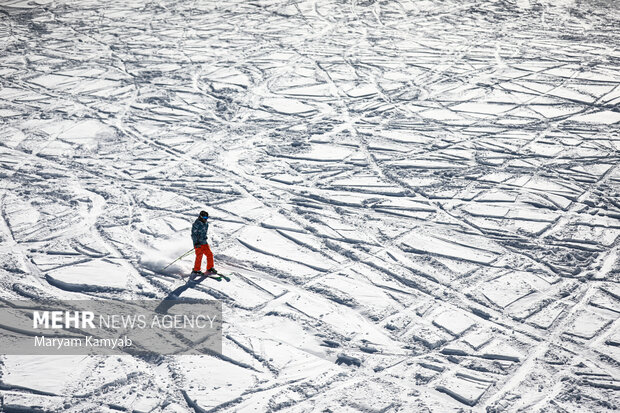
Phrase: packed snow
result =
(417, 202)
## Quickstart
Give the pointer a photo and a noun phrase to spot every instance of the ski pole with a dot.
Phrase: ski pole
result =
(182, 256)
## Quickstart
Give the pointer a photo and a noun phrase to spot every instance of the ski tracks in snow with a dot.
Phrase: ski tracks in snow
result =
(427, 189)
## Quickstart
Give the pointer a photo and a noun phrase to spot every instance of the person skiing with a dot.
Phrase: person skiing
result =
(201, 247)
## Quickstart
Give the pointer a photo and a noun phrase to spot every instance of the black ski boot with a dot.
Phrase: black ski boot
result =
(195, 274)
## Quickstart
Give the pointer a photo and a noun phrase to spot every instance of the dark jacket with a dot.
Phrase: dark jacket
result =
(199, 232)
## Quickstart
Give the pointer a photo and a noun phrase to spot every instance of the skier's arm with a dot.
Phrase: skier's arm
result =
(195, 234)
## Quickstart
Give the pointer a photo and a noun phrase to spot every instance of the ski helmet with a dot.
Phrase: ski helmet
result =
(204, 214)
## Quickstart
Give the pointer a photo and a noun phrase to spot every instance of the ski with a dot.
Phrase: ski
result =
(226, 277)
(217, 276)
(200, 278)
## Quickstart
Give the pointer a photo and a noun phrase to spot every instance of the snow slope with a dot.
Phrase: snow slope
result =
(418, 202)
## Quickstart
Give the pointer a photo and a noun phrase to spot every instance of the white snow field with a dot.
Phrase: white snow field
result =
(418, 202)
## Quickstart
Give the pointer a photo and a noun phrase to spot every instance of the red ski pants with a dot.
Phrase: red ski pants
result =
(203, 249)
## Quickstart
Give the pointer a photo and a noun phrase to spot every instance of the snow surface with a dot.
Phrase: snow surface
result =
(418, 202)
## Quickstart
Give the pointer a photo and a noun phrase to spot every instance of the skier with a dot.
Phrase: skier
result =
(199, 238)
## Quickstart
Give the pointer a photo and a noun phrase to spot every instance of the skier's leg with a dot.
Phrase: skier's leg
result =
(209, 255)
(198, 260)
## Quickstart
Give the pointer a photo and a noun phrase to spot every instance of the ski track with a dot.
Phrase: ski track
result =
(428, 189)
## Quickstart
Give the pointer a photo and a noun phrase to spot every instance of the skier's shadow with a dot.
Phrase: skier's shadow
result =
(175, 296)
